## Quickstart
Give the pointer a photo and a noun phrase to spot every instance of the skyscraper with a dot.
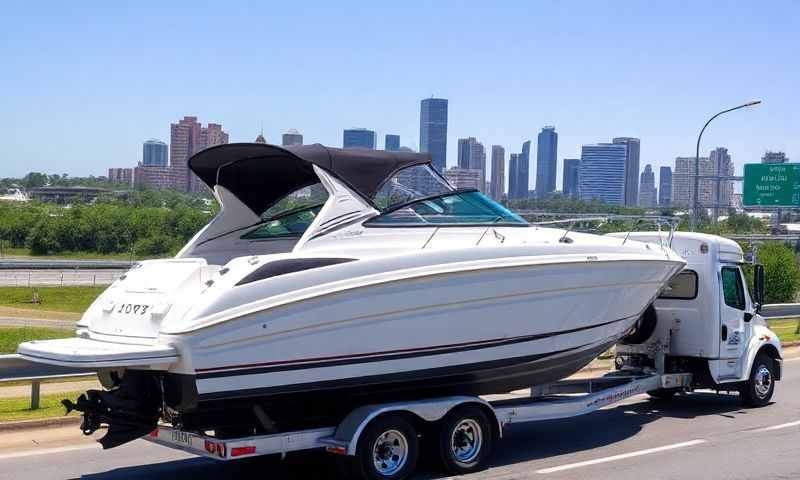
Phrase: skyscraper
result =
(602, 172)
(188, 137)
(683, 183)
(524, 177)
(498, 183)
(472, 156)
(154, 153)
(358, 138)
(570, 179)
(513, 176)
(647, 188)
(463, 177)
(546, 163)
(433, 130)
(391, 143)
(665, 187)
(722, 189)
(292, 137)
(631, 169)
(774, 157)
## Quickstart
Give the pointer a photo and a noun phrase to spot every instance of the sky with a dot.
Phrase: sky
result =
(85, 83)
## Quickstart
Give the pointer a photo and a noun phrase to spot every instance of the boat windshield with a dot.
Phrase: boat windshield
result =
(410, 184)
(291, 215)
(462, 207)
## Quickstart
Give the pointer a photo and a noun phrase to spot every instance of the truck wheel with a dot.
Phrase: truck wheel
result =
(758, 389)
(663, 393)
(388, 449)
(465, 440)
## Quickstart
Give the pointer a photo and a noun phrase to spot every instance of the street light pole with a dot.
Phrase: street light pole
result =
(696, 202)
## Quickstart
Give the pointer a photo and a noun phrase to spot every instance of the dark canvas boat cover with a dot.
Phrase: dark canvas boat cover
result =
(261, 174)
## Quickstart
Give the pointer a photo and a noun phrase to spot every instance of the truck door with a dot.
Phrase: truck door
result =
(732, 310)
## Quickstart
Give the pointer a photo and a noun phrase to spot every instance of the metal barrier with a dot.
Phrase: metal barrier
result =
(14, 368)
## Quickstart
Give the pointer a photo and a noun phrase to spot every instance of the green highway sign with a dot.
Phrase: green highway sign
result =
(771, 185)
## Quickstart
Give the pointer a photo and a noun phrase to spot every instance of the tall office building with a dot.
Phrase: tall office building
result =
(358, 138)
(472, 156)
(391, 143)
(188, 137)
(292, 137)
(774, 157)
(722, 188)
(602, 172)
(497, 187)
(570, 178)
(683, 182)
(518, 173)
(463, 177)
(513, 175)
(433, 131)
(122, 176)
(631, 169)
(648, 195)
(154, 153)
(546, 163)
(665, 187)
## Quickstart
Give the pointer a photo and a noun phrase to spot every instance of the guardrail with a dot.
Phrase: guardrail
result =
(14, 368)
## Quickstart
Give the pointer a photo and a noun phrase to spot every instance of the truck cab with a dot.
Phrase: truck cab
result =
(706, 322)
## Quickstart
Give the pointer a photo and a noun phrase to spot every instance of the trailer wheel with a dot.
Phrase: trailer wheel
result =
(387, 449)
(663, 393)
(465, 440)
(758, 389)
(644, 328)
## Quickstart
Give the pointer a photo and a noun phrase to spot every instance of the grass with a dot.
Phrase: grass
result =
(785, 329)
(10, 337)
(24, 253)
(16, 409)
(54, 299)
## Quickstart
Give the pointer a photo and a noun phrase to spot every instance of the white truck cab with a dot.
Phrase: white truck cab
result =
(705, 321)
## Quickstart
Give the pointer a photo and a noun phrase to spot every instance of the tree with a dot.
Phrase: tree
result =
(781, 272)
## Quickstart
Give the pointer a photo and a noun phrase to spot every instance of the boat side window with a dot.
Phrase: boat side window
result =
(465, 207)
(683, 286)
(291, 215)
(732, 288)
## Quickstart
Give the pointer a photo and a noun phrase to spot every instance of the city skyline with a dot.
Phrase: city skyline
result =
(93, 82)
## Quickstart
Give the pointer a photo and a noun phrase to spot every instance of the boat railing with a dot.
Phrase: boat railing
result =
(659, 221)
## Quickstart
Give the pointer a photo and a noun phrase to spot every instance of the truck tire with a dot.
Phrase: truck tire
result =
(466, 438)
(387, 449)
(645, 326)
(758, 389)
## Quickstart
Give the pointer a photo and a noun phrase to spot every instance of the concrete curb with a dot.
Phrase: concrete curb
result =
(40, 423)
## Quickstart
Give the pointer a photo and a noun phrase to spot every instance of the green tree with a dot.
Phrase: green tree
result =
(781, 272)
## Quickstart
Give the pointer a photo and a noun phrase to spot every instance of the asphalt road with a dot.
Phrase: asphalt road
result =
(58, 277)
(697, 436)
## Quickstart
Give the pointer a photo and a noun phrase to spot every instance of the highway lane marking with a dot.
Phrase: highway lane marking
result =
(778, 427)
(613, 458)
(791, 359)
(47, 451)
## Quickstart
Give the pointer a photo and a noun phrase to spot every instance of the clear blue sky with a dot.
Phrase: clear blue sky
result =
(84, 83)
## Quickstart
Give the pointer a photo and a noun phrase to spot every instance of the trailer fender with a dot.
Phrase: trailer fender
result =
(350, 429)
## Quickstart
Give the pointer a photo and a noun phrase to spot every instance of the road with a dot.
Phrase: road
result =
(58, 277)
(697, 436)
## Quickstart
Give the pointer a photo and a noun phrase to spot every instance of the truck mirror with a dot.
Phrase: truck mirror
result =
(758, 286)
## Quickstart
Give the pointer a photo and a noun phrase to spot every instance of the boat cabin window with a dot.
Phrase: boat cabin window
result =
(291, 215)
(409, 184)
(732, 288)
(683, 286)
(463, 207)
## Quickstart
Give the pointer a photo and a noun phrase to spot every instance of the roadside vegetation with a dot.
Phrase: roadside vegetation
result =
(53, 299)
(18, 409)
(10, 337)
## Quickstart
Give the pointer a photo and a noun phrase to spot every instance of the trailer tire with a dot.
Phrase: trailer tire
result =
(758, 389)
(644, 328)
(466, 438)
(663, 393)
(387, 449)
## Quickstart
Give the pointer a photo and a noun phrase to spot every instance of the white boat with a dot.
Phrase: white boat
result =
(334, 278)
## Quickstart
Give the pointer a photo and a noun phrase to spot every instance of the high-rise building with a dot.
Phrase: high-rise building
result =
(683, 183)
(391, 143)
(463, 177)
(188, 137)
(648, 195)
(292, 137)
(154, 153)
(513, 176)
(433, 131)
(472, 156)
(570, 179)
(774, 157)
(497, 186)
(631, 169)
(602, 172)
(518, 173)
(358, 138)
(546, 163)
(122, 176)
(665, 187)
(722, 189)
